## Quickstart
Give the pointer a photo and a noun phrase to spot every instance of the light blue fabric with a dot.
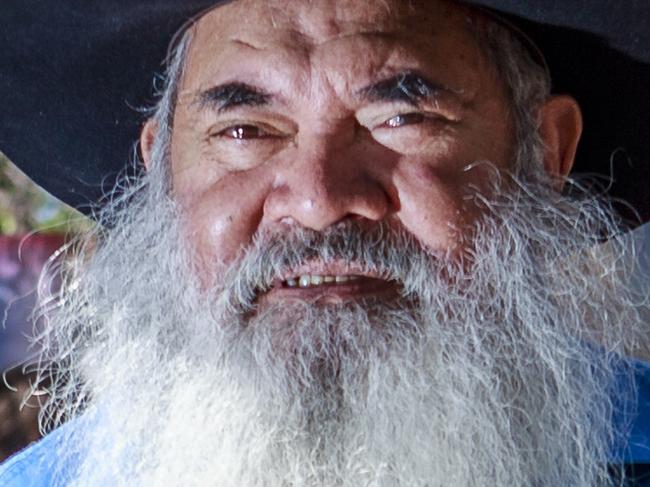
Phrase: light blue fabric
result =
(35, 466)
(638, 443)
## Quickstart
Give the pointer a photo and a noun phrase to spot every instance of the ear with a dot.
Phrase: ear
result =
(560, 129)
(147, 138)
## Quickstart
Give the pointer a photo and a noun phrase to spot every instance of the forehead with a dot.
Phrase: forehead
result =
(246, 36)
(320, 20)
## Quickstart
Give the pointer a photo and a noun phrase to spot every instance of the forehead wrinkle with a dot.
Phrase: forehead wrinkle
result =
(323, 20)
(296, 33)
(248, 44)
(317, 78)
(309, 24)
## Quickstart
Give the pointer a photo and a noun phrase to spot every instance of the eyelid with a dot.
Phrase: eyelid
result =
(375, 115)
(426, 117)
(420, 117)
(269, 130)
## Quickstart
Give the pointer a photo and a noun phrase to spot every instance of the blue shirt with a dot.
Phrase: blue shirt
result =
(36, 465)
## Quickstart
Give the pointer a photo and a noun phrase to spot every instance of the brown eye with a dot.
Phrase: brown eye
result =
(244, 132)
(404, 119)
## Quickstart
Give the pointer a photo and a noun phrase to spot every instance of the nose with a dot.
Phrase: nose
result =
(327, 182)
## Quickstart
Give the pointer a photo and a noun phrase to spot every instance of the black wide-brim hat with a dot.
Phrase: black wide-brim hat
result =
(75, 74)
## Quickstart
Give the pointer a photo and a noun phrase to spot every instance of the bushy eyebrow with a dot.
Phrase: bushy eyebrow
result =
(407, 86)
(230, 95)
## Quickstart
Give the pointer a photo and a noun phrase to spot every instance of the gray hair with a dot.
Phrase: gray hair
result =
(163, 112)
(527, 83)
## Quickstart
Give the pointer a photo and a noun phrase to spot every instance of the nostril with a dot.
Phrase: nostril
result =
(354, 217)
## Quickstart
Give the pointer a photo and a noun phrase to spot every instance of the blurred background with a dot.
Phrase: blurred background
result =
(33, 225)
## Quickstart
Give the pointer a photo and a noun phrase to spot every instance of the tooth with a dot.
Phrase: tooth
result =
(292, 282)
(316, 280)
(328, 279)
(353, 278)
(341, 278)
(305, 281)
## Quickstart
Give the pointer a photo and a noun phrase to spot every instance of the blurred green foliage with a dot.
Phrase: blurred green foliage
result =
(25, 207)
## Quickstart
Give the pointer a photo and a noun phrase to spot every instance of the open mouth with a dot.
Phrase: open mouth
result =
(334, 283)
(312, 280)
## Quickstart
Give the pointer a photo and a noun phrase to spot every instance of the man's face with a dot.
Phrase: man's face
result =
(322, 139)
(307, 114)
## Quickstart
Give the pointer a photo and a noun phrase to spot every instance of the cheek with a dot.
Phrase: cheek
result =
(433, 205)
(222, 219)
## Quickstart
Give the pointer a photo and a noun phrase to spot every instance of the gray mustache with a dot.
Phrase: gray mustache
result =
(391, 252)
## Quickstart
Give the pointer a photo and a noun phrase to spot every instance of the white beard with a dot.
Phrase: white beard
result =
(483, 373)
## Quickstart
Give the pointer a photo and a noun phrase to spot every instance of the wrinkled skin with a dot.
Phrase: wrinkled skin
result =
(318, 152)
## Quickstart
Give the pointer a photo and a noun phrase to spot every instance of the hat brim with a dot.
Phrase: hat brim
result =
(75, 76)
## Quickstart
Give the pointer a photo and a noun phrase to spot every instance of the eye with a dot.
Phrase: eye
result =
(404, 119)
(244, 132)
